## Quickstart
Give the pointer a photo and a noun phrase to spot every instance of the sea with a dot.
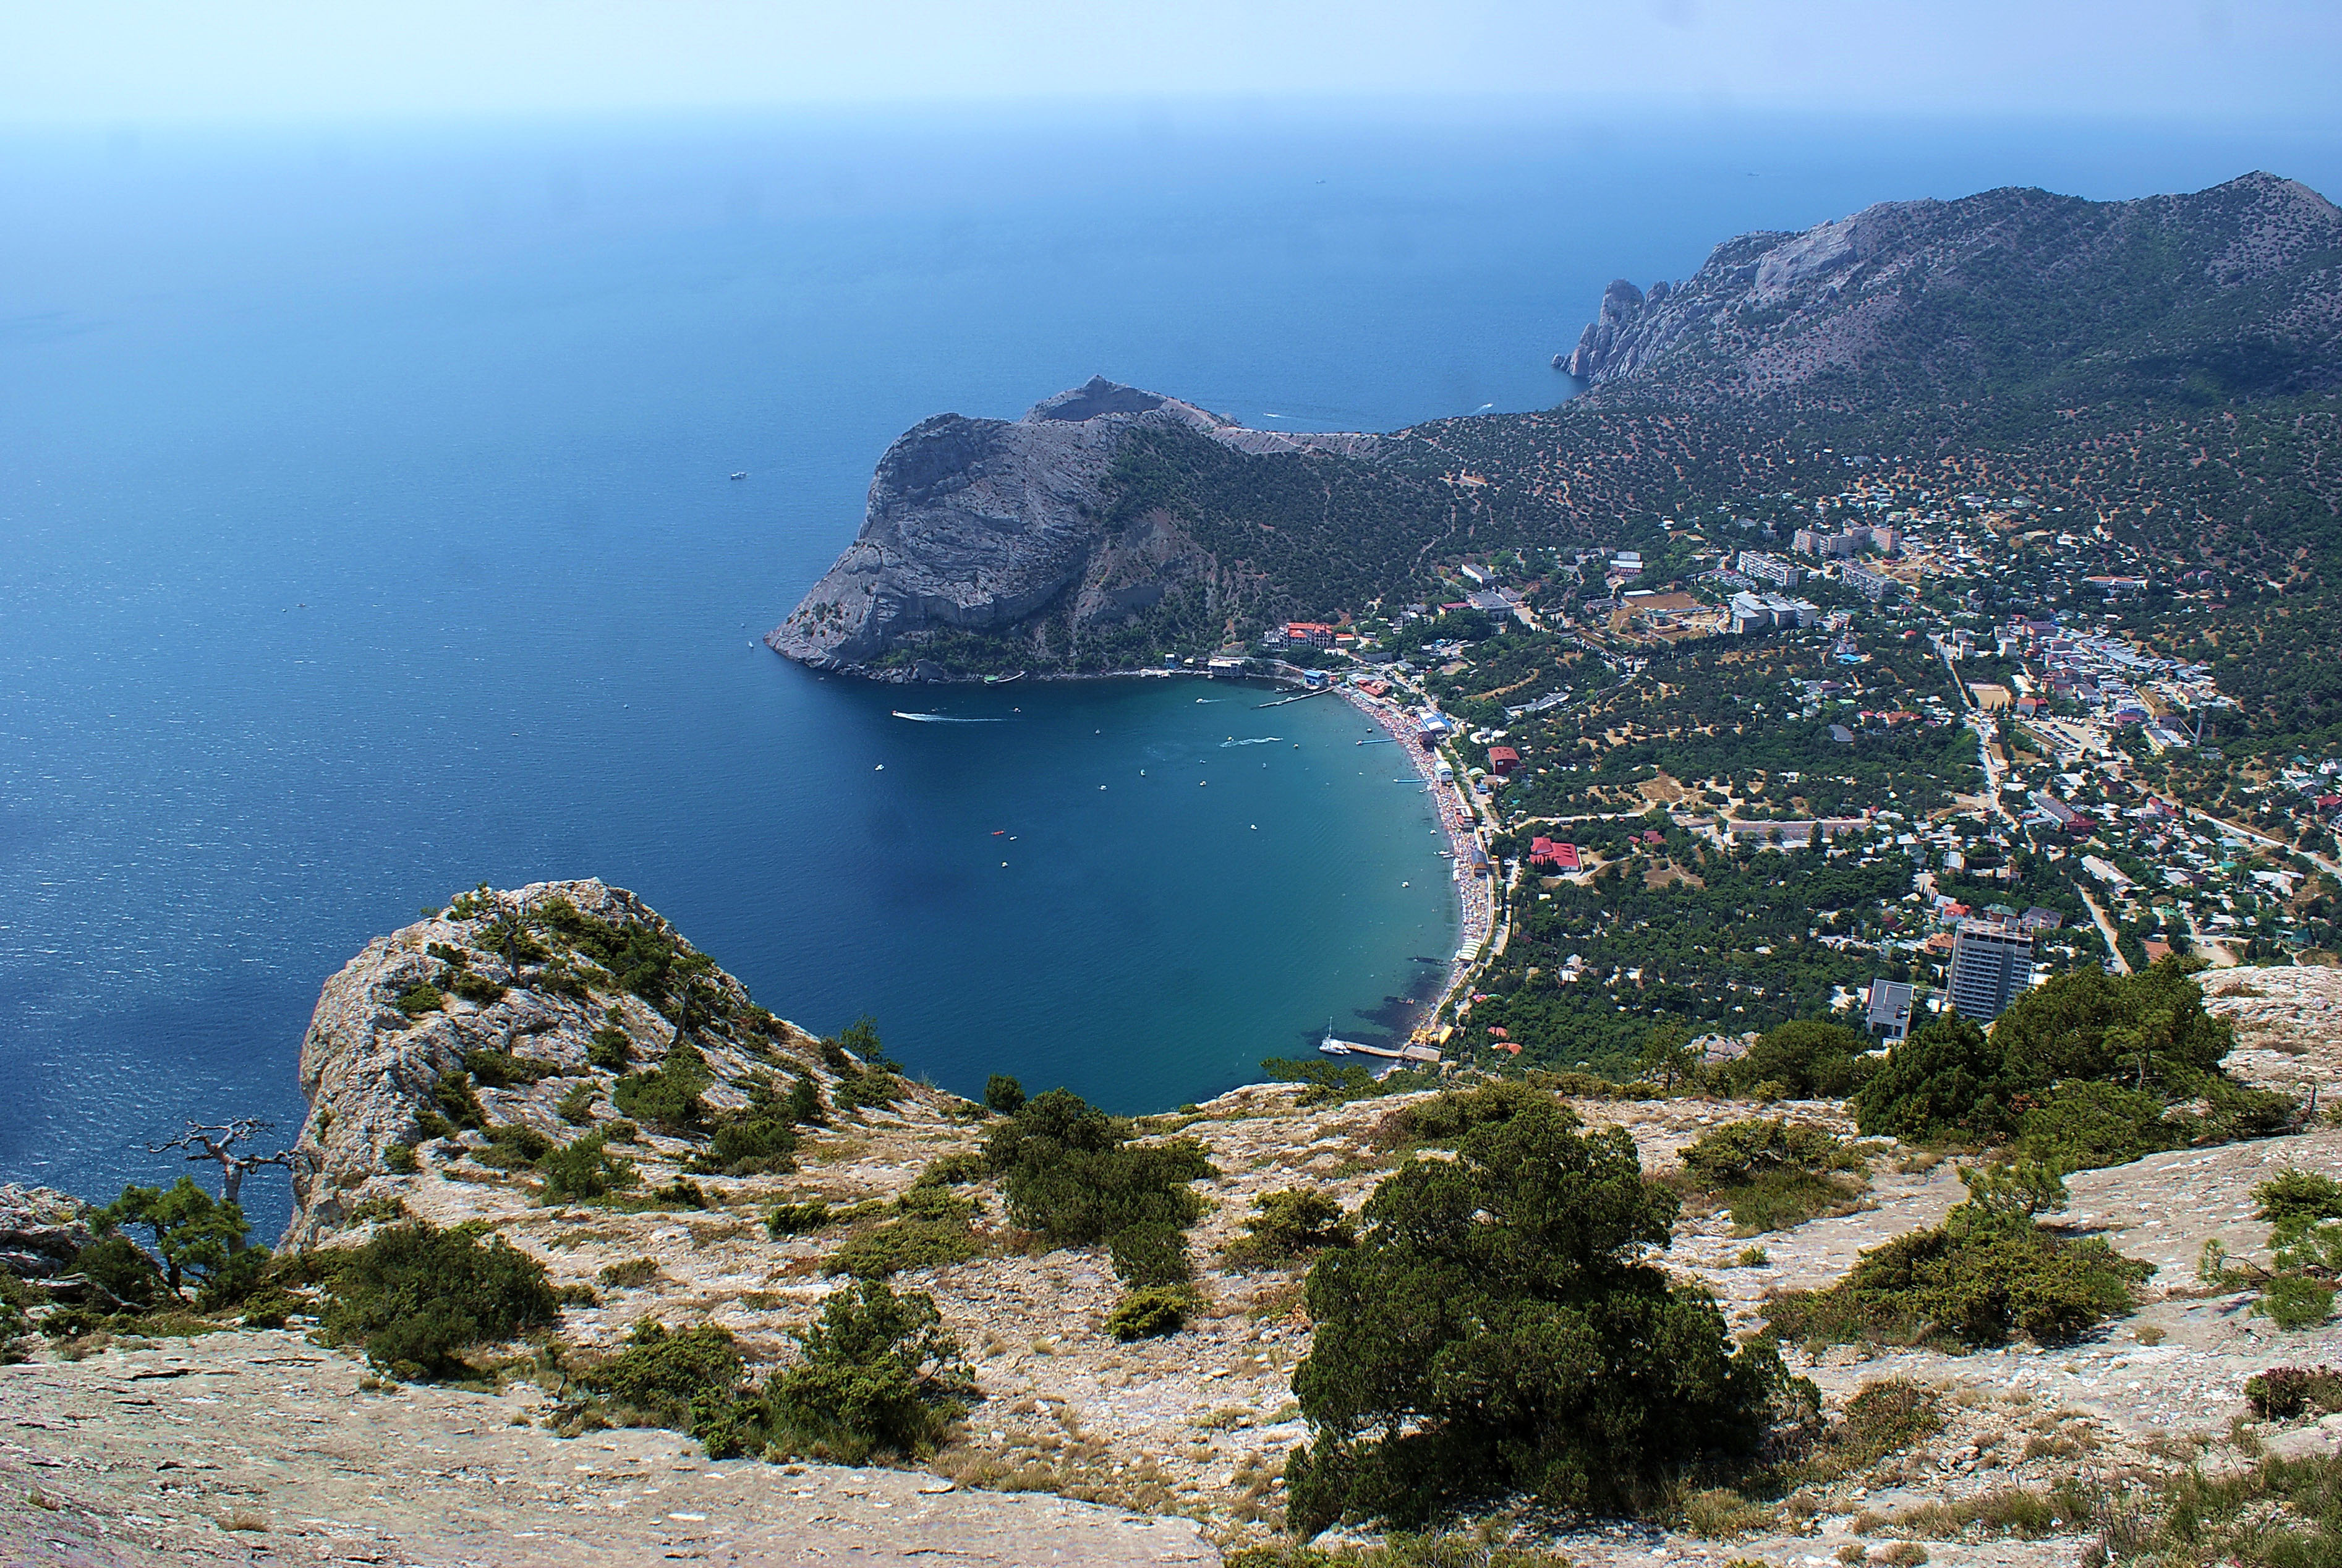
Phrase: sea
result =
(367, 532)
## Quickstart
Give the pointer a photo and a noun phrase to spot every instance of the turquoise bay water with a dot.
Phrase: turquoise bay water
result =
(365, 533)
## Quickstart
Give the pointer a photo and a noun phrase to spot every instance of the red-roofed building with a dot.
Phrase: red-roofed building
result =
(1503, 760)
(1653, 836)
(1317, 633)
(1544, 851)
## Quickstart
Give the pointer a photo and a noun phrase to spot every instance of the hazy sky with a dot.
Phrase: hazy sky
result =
(112, 61)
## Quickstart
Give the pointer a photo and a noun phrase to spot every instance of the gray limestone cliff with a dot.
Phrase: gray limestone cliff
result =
(2232, 290)
(983, 523)
(373, 1072)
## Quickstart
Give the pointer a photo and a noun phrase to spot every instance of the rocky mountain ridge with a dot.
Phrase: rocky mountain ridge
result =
(2233, 289)
(979, 525)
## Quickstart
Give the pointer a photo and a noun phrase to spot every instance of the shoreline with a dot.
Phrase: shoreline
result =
(1475, 896)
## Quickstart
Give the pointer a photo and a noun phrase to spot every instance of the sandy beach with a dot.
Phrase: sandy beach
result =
(1474, 894)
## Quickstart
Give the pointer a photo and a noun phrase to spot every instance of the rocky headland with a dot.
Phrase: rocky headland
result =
(983, 524)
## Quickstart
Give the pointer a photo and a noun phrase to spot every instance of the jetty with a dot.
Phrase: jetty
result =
(1415, 1049)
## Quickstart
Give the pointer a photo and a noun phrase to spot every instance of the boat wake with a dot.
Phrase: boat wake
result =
(940, 718)
(1256, 741)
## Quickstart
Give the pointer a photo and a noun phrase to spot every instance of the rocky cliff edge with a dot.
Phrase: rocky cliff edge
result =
(980, 525)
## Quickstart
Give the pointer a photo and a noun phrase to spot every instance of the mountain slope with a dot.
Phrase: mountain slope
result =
(2232, 291)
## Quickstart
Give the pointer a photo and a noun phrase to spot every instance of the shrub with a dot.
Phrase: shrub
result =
(796, 1219)
(501, 1070)
(458, 1103)
(939, 1203)
(475, 988)
(879, 1373)
(513, 1144)
(1070, 1172)
(1771, 1174)
(1294, 1224)
(1150, 1254)
(669, 1095)
(584, 1168)
(2296, 1301)
(1447, 1117)
(632, 1275)
(1146, 1312)
(2282, 1393)
(2299, 1196)
(1882, 1418)
(890, 1249)
(750, 1143)
(806, 1105)
(420, 998)
(416, 1296)
(2085, 1126)
(871, 1086)
(1003, 1094)
(1970, 1282)
(1497, 1329)
(952, 1170)
(577, 1107)
(2148, 1031)
(399, 1159)
(691, 1381)
(610, 1050)
(117, 1266)
(1806, 1059)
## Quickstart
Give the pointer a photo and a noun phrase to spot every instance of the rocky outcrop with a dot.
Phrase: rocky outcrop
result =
(2009, 287)
(41, 1230)
(981, 524)
(372, 1072)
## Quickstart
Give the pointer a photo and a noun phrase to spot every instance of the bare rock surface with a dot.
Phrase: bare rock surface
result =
(41, 1229)
(261, 1448)
(2289, 1024)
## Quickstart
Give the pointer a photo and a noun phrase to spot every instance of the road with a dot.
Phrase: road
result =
(2224, 825)
(2106, 929)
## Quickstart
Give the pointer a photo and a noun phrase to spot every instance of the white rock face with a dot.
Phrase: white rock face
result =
(369, 1071)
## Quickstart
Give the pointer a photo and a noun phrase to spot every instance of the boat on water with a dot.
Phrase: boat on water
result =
(742, 474)
(1002, 680)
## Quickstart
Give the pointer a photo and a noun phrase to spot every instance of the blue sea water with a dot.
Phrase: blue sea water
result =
(365, 533)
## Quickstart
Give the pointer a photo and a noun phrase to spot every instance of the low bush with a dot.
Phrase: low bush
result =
(752, 1142)
(1774, 1175)
(691, 1381)
(1806, 1059)
(1882, 1418)
(2298, 1196)
(610, 1050)
(937, 1203)
(117, 1265)
(902, 1244)
(415, 1297)
(1289, 1225)
(419, 999)
(1070, 1172)
(1149, 1312)
(1329, 1084)
(584, 1168)
(952, 1170)
(1445, 1118)
(2086, 1126)
(2283, 1393)
(577, 1107)
(1149, 1254)
(458, 1104)
(879, 1374)
(632, 1275)
(667, 1096)
(1003, 1095)
(2298, 1286)
(475, 988)
(796, 1219)
(399, 1159)
(502, 1070)
(1970, 1284)
(514, 1145)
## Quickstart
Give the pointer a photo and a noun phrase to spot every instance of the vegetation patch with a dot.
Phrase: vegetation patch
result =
(879, 1374)
(668, 1095)
(1499, 1328)
(1773, 1175)
(1987, 1274)
(417, 1297)
(1288, 1226)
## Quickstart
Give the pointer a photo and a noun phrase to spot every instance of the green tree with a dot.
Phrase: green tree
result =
(1004, 1095)
(416, 1296)
(194, 1233)
(1498, 1327)
(880, 1374)
(1808, 1058)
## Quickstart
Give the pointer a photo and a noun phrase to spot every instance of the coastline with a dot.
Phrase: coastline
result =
(1474, 895)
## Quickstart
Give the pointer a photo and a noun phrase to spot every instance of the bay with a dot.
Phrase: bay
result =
(365, 533)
